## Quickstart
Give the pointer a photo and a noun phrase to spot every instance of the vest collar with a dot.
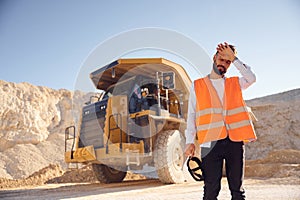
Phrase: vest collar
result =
(224, 77)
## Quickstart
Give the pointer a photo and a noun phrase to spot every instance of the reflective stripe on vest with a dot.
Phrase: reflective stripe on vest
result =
(209, 111)
(238, 124)
(210, 126)
(235, 110)
(221, 123)
(220, 111)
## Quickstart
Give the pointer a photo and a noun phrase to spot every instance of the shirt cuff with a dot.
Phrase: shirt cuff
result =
(236, 61)
(235, 58)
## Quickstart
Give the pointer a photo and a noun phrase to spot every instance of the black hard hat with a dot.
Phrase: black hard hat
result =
(194, 165)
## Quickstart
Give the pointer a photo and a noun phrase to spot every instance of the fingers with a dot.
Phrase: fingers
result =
(221, 47)
(189, 154)
(189, 150)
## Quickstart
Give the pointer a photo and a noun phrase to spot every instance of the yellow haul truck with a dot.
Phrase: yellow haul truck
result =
(139, 120)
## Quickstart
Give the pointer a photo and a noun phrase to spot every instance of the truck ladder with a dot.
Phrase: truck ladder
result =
(114, 128)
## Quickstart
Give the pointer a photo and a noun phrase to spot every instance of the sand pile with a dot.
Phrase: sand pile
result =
(278, 164)
(278, 125)
(33, 120)
(55, 174)
(38, 178)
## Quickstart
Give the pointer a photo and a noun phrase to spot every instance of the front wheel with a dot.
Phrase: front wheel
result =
(106, 174)
(169, 156)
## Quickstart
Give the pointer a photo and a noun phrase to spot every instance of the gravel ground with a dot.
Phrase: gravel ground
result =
(269, 189)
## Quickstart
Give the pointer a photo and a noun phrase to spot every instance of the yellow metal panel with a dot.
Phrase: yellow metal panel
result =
(114, 150)
(116, 105)
(81, 155)
(142, 113)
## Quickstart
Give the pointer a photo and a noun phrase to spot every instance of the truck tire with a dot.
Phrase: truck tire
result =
(106, 174)
(169, 156)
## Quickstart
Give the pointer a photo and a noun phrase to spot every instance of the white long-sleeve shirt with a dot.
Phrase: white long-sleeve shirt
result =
(247, 79)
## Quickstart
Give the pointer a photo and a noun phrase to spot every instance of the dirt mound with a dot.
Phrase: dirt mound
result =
(81, 175)
(287, 156)
(278, 164)
(37, 178)
(54, 174)
(86, 174)
(278, 124)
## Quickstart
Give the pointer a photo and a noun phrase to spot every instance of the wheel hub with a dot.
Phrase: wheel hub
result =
(178, 158)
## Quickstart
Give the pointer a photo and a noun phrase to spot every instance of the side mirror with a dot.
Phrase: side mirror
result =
(168, 80)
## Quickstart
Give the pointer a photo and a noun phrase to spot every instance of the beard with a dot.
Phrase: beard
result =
(219, 69)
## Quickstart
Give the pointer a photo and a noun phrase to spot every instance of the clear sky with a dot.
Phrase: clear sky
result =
(45, 42)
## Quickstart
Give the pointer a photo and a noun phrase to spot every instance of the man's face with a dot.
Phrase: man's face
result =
(221, 64)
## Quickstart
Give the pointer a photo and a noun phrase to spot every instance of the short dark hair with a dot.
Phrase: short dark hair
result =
(231, 47)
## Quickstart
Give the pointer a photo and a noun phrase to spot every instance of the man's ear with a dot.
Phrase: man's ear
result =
(215, 57)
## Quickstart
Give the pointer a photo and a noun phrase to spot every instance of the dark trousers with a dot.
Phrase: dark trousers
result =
(212, 159)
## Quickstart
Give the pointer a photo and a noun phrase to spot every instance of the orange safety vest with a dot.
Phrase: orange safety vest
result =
(215, 121)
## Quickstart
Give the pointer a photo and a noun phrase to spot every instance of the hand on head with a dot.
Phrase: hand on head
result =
(225, 51)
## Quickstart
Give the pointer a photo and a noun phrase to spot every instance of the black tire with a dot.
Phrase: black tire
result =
(169, 156)
(106, 174)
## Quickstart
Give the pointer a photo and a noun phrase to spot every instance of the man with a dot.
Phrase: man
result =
(218, 116)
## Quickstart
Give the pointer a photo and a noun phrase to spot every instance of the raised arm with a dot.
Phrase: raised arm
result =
(248, 77)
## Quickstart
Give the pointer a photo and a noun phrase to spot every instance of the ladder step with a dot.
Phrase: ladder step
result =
(132, 157)
(71, 166)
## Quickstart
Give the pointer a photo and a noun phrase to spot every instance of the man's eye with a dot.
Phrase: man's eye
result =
(228, 62)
